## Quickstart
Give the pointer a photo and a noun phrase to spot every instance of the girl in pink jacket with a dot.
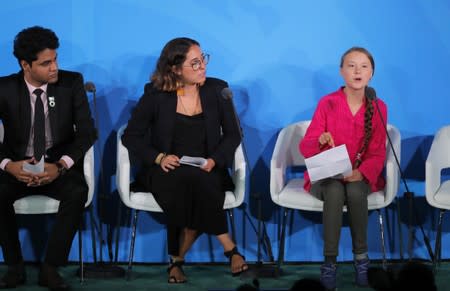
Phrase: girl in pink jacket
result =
(348, 117)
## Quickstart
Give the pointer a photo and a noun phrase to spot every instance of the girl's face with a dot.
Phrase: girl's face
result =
(193, 70)
(356, 70)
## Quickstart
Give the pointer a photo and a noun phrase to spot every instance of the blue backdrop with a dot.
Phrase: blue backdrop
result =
(279, 57)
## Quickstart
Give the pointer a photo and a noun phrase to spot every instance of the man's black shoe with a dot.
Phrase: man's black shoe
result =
(49, 277)
(14, 277)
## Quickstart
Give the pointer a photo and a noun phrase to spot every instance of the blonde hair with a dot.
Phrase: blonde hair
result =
(369, 106)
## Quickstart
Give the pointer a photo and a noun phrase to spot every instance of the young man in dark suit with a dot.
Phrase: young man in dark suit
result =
(45, 114)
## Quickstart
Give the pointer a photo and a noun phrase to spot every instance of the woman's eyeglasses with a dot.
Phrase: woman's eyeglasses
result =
(197, 63)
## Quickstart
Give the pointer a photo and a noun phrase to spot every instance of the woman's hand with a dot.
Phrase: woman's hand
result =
(169, 162)
(209, 165)
(326, 139)
(355, 176)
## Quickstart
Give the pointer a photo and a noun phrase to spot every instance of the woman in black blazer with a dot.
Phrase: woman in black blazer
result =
(182, 113)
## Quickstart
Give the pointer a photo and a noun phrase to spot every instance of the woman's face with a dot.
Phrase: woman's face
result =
(356, 70)
(193, 70)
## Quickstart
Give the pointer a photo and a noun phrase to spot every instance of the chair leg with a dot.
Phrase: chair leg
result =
(94, 244)
(282, 241)
(133, 240)
(233, 227)
(437, 247)
(440, 240)
(80, 252)
(399, 226)
(383, 247)
(118, 224)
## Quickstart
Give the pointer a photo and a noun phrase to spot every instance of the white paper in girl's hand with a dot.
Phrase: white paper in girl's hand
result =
(333, 163)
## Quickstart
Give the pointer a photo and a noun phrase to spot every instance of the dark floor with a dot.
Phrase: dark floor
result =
(210, 277)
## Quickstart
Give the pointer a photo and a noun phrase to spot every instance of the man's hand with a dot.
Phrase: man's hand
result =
(16, 169)
(49, 175)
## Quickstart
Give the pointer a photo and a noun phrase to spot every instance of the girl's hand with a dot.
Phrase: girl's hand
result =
(355, 176)
(326, 139)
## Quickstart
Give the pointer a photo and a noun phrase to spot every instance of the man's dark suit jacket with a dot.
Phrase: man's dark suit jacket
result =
(72, 127)
(151, 127)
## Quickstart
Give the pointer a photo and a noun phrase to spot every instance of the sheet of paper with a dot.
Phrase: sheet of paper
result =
(34, 168)
(334, 162)
(193, 161)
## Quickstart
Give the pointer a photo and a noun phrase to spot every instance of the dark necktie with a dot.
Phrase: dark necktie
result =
(39, 126)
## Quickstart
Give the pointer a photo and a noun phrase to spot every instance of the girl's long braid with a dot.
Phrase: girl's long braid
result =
(367, 132)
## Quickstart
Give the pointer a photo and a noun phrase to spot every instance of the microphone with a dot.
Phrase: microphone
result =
(99, 269)
(261, 232)
(226, 93)
(372, 95)
(90, 87)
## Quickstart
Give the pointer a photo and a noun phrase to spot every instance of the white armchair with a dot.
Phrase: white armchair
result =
(437, 190)
(41, 204)
(145, 200)
(290, 194)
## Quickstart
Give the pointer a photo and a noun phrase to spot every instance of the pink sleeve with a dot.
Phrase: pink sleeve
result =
(373, 160)
(68, 160)
(3, 163)
(309, 145)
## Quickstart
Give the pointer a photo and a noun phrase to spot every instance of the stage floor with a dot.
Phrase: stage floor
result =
(210, 277)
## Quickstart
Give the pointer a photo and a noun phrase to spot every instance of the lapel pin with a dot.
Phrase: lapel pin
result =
(51, 101)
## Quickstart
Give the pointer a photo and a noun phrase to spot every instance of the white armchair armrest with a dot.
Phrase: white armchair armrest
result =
(438, 159)
(123, 170)
(392, 170)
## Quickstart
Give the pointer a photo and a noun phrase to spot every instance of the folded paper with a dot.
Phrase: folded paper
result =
(332, 163)
(34, 168)
(193, 161)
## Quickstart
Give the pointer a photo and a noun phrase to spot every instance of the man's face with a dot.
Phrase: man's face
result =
(43, 70)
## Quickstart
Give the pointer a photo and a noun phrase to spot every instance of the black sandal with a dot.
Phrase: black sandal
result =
(175, 264)
(235, 252)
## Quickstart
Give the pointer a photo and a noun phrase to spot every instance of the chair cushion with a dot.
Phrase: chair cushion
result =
(39, 204)
(230, 200)
(294, 196)
(36, 204)
(442, 196)
(146, 201)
